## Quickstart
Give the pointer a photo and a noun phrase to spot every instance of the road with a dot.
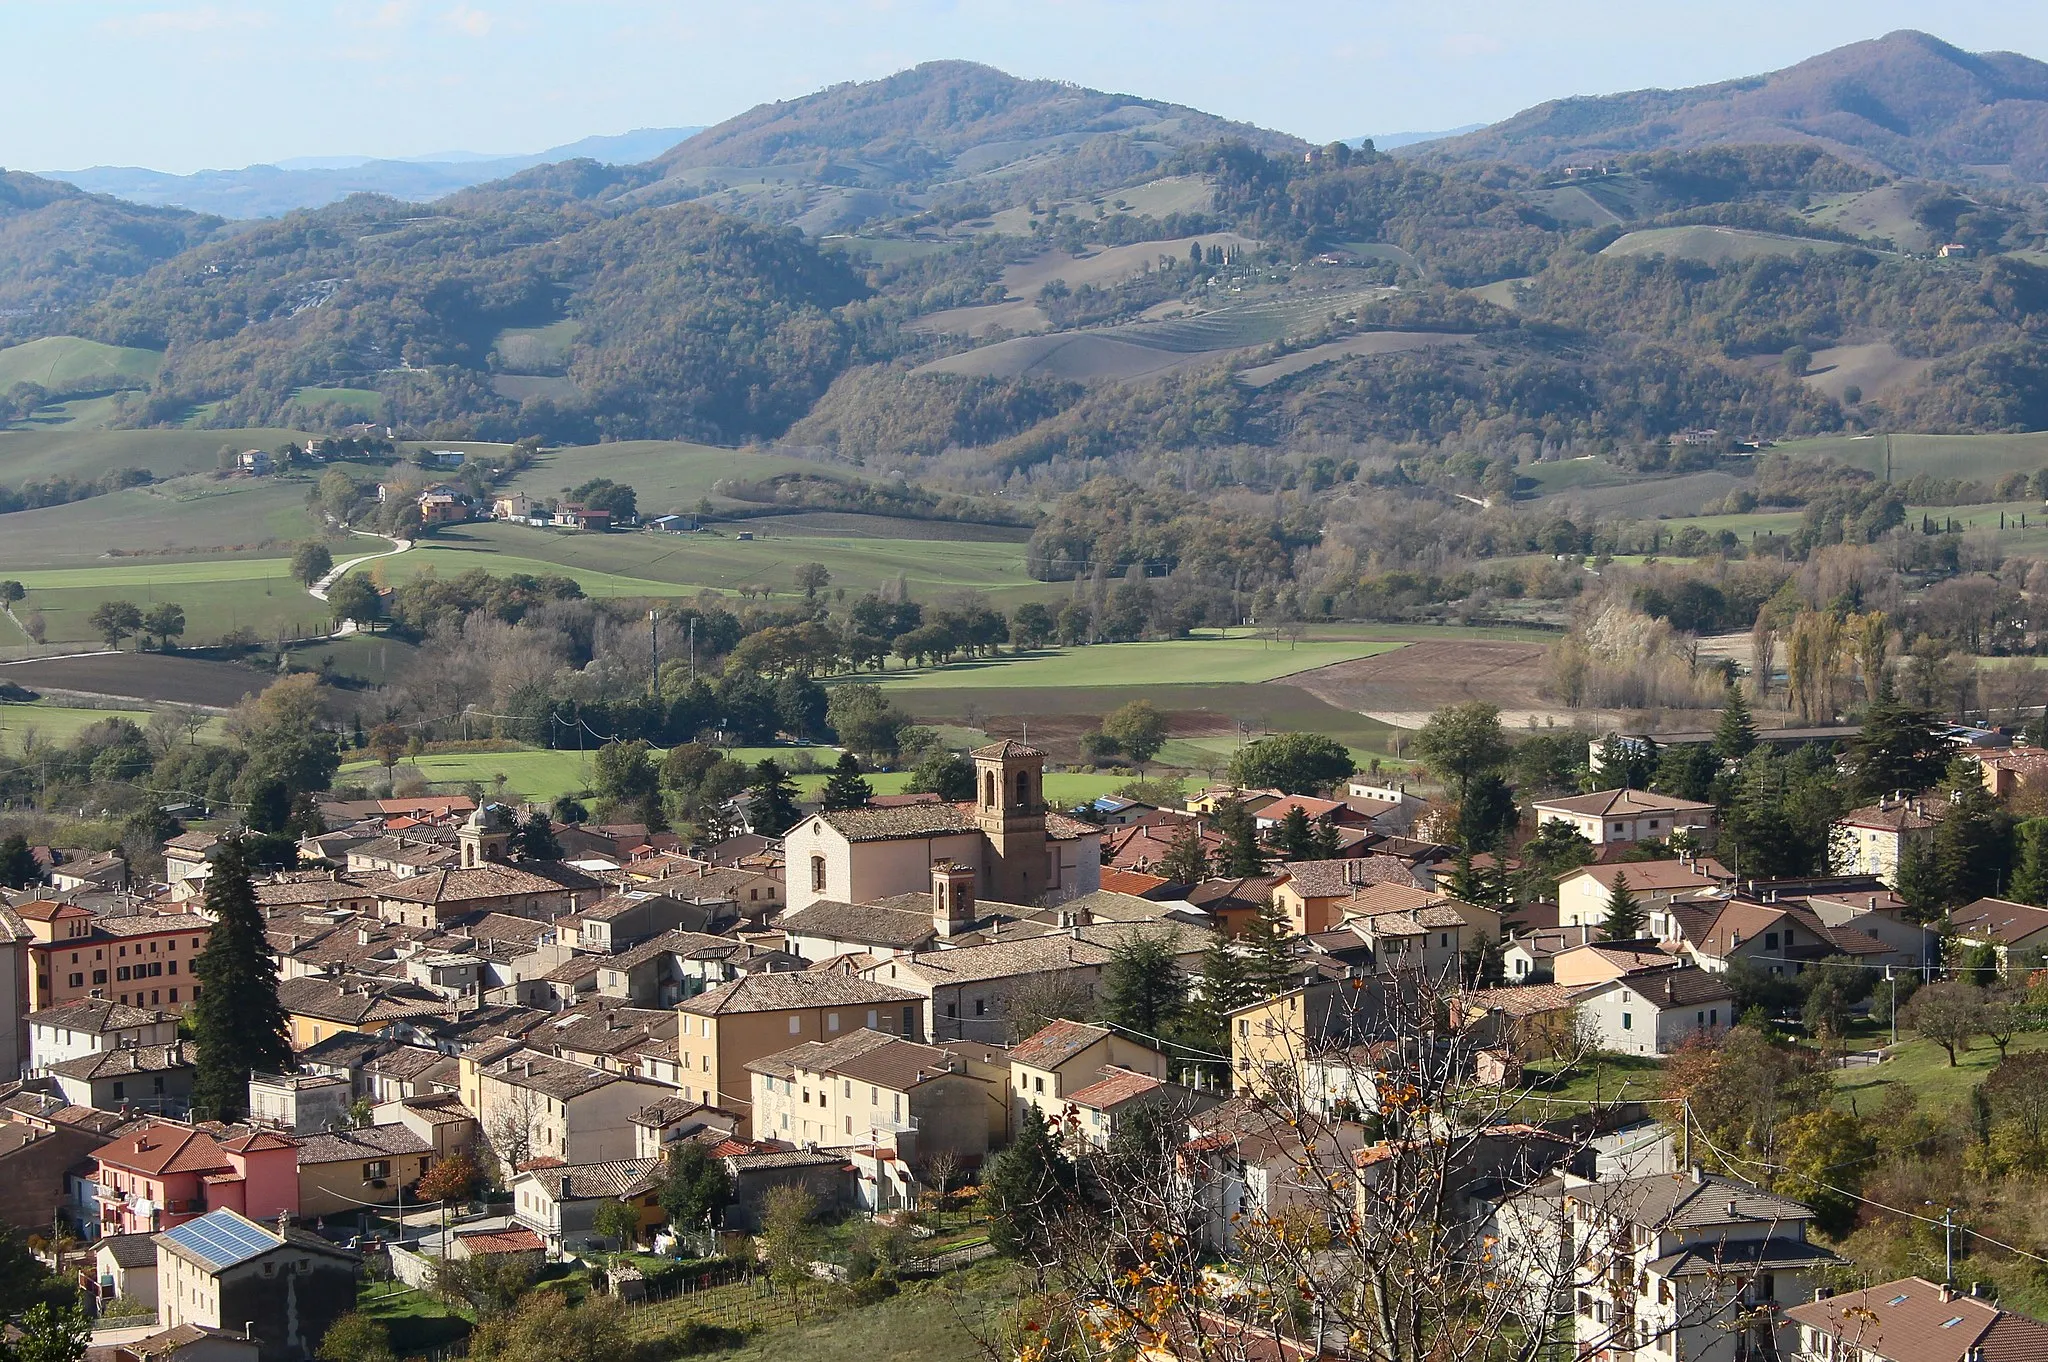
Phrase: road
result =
(318, 591)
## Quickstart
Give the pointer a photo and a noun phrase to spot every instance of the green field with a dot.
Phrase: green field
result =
(2012, 537)
(666, 475)
(1557, 475)
(365, 403)
(1985, 458)
(1196, 661)
(54, 723)
(647, 564)
(62, 363)
(1717, 245)
(36, 454)
(535, 349)
(1922, 1068)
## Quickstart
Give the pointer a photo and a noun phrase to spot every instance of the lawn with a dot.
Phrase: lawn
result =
(1983, 457)
(213, 609)
(1195, 661)
(666, 475)
(943, 1320)
(189, 517)
(1717, 245)
(61, 363)
(1602, 1079)
(54, 723)
(366, 403)
(1922, 1067)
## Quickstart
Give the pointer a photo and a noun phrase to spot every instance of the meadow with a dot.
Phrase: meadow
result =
(1200, 661)
(1985, 458)
(665, 475)
(54, 723)
(60, 363)
(1717, 245)
(27, 455)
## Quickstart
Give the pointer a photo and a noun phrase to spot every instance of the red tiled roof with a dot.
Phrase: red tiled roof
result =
(1116, 1088)
(512, 1239)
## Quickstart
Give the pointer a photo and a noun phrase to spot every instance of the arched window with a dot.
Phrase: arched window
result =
(988, 796)
(1024, 789)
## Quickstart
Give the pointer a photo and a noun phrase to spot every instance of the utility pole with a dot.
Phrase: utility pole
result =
(1894, 983)
(693, 650)
(1948, 1245)
(654, 655)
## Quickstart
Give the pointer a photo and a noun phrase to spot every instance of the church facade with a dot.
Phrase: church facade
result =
(1007, 843)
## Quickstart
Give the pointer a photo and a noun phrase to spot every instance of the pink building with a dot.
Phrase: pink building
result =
(167, 1173)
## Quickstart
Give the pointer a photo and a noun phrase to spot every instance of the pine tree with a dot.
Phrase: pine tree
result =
(237, 1024)
(771, 802)
(1736, 733)
(1297, 836)
(1226, 985)
(1186, 861)
(1143, 988)
(18, 868)
(846, 790)
(2030, 880)
(1025, 1188)
(1625, 920)
(1240, 853)
(1917, 881)
(1268, 957)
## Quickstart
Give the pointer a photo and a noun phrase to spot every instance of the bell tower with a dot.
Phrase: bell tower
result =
(484, 837)
(1009, 808)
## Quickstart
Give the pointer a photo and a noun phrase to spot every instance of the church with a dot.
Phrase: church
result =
(1017, 850)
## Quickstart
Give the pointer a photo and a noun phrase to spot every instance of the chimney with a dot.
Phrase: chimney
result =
(1699, 1175)
(1977, 1290)
(1947, 1293)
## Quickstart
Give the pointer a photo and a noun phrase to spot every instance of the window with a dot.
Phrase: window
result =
(77, 981)
(831, 1021)
(796, 1025)
(871, 1020)
(376, 1168)
(988, 791)
(99, 976)
(1024, 789)
(846, 1088)
(818, 874)
(1628, 1022)
(1038, 1083)
(952, 1009)
(909, 1025)
(120, 1091)
(1770, 941)
(981, 1007)
(174, 967)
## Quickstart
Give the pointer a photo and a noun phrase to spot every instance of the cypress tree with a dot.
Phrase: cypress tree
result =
(237, 1023)
(771, 807)
(18, 868)
(1918, 881)
(1025, 1188)
(1736, 733)
(846, 790)
(1240, 853)
(1625, 920)
(2030, 880)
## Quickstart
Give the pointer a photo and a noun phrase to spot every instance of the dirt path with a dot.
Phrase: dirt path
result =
(318, 591)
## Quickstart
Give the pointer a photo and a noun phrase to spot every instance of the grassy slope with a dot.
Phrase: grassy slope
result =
(57, 362)
(667, 475)
(1190, 661)
(1716, 245)
(55, 723)
(1985, 516)
(1922, 1067)
(26, 454)
(1983, 457)
(945, 1320)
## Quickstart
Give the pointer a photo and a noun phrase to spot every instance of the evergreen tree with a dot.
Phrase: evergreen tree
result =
(1486, 814)
(771, 800)
(1324, 843)
(537, 841)
(1239, 854)
(237, 1024)
(2030, 878)
(1026, 1187)
(1917, 882)
(1268, 956)
(18, 868)
(1296, 838)
(846, 790)
(1226, 985)
(1186, 861)
(1898, 750)
(1143, 988)
(1736, 733)
(1625, 920)
(1972, 842)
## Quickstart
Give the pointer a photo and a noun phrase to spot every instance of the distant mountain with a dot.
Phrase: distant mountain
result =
(1387, 141)
(944, 132)
(316, 181)
(1906, 103)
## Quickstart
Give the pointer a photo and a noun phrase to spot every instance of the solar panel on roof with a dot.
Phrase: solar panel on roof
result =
(221, 1238)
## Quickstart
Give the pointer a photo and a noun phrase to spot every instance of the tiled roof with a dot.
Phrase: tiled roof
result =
(1057, 1043)
(162, 1147)
(355, 1004)
(561, 1079)
(1131, 882)
(148, 924)
(124, 1062)
(1652, 876)
(819, 1056)
(616, 1179)
(369, 1142)
(1007, 749)
(511, 1239)
(1915, 814)
(130, 1250)
(1998, 920)
(1004, 959)
(1335, 879)
(898, 1065)
(1528, 1000)
(915, 820)
(1114, 1089)
(94, 1016)
(476, 883)
(1914, 1320)
(781, 990)
(866, 923)
(1688, 986)
(1620, 804)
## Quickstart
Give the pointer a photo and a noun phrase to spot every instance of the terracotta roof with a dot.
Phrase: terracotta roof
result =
(368, 1142)
(1528, 1000)
(1006, 959)
(1131, 882)
(1334, 879)
(1689, 986)
(782, 990)
(898, 1065)
(1916, 813)
(511, 1239)
(1620, 804)
(475, 883)
(616, 1179)
(48, 910)
(818, 1056)
(169, 1342)
(1914, 1320)
(123, 1062)
(95, 1016)
(1057, 1043)
(162, 1147)
(1007, 748)
(561, 1079)
(1115, 1088)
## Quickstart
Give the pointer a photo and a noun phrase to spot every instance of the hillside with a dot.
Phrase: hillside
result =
(60, 246)
(1906, 103)
(949, 132)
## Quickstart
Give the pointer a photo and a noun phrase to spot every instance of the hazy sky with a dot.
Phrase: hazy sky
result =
(179, 86)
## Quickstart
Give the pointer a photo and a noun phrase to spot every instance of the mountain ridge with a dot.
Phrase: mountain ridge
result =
(1906, 103)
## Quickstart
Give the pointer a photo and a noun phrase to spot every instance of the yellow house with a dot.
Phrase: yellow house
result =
(758, 1015)
(317, 1008)
(1067, 1056)
(1270, 1040)
(341, 1172)
(1315, 895)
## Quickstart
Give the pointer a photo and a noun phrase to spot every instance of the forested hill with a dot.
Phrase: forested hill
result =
(1907, 103)
(60, 246)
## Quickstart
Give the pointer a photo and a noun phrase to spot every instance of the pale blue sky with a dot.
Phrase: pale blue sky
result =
(179, 85)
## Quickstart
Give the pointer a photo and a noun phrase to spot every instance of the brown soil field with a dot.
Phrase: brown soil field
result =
(1404, 686)
(142, 676)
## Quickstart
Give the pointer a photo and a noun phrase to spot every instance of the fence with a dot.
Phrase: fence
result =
(732, 1299)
